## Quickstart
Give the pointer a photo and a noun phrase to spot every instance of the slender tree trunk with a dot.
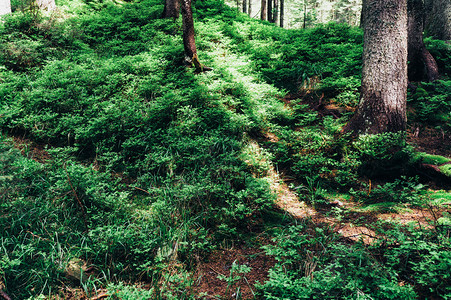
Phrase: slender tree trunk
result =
(189, 42)
(438, 21)
(245, 6)
(270, 2)
(421, 63)
(5, 7)
(263, 10)
(382, 106)
(362, 15)
(171, 9)
(275, 14)
(305, 14)
(249, 10)
(282, 4)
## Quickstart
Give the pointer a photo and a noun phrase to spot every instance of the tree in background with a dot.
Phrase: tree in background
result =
(438, 19)
(46, 4)
(421, 63)
(282, 7)
(5, 7)
(263, 10)
(245, 6)
(382, 106)
(269, 10)
(304, 21)
(171, 9)
(275, 13)
(347, 11)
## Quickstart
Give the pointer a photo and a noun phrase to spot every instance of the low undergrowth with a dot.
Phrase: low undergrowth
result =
(152, 166)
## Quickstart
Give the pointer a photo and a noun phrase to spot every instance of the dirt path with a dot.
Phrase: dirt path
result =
(350, 222)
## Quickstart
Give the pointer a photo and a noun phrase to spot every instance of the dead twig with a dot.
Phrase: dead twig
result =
(37, 236)
(216, 271)
(140, 189)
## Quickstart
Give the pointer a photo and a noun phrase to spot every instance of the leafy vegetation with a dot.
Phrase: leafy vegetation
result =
(138, 167)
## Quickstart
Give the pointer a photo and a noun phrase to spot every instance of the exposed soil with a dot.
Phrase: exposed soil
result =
(430, 140)
(31, 150)
(219, 263)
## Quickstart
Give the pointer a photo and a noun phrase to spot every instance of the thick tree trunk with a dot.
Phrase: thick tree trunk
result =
(438, 20)
(245, 6)
(282, 4)
(382, 106)
(171, 9)
(275, 14)
(5, 7)
(263, 10)
(270, 2)
(421, 63)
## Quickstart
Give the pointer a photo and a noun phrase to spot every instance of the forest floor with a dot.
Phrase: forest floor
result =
(346, 217)
(349, 220)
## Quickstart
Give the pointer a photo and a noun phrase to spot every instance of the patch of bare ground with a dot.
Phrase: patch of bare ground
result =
(430, 140)
(30, 149)
(219, 264)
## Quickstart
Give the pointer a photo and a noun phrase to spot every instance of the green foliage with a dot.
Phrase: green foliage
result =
(237, 273)
(122, 291)
(151, 164)
(441, 51)
(288, 58)
(419, 256)
(403, 190)
(432, 103)
(382, 154)
(313, 264)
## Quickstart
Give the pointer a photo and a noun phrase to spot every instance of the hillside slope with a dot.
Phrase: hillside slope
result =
(134, 171)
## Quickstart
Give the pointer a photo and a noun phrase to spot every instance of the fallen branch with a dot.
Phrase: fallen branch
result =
(4, 295)
(140, 189)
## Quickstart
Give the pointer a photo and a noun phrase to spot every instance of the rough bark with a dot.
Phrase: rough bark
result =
(422, 64)
(171, 9)
(263, 10)
(5, 7)
(46, 4)
(382, 106)
(189, 42)
(438, 20)
(282, 7)
(270, 16)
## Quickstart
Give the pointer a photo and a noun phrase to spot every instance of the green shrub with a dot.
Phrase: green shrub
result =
(312, 264)
(420, 256)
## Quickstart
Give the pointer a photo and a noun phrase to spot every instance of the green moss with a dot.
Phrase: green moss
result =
(381, 207)
(439, 197)
(431, 159)
(446, 169)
